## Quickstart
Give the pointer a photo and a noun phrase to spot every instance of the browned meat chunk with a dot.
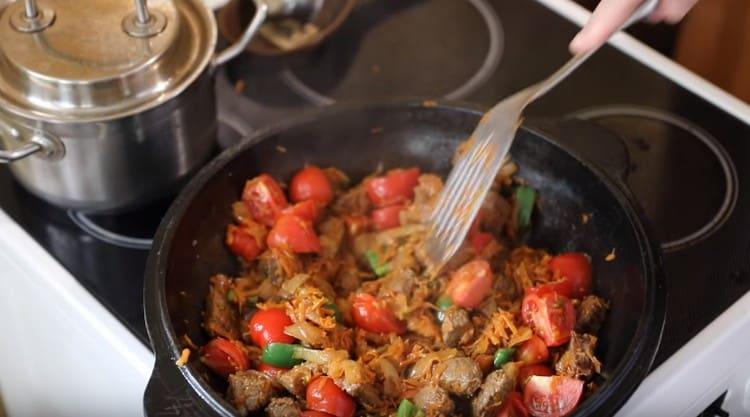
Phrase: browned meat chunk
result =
(331, 235)
(461, 376)
(221, 315)
(250, 391)
(495, 212)
(296, 379)
(591, 314)
(425, 197)
(493, 391)
(353, 201)
(278, 265)
(457, 327)
(435, 401)
(283, 407)
(579, 361)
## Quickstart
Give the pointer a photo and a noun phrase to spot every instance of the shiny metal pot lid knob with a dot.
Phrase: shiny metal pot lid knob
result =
(100, 59)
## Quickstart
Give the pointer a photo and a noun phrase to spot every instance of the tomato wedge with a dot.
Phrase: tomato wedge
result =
(470, 284)
(242, 243)
(552, 396)
(551, 315)
(325, 396)
(271, 370)
(267, 326)
(533, 351)
(387, 217)
(313, 413)
(264, 198)
(311, 183)
(513, 406)
(526, 372)
(396, 186)
(306, 210)
(576, 267)
(563, 287)
(370, 315)
(293, 233)
(480, 241)
(224, 357)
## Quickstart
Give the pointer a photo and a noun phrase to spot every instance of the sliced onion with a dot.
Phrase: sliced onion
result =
(392, 385)
(309, 334)
(290, 286)
(348, 374)
(424, 365)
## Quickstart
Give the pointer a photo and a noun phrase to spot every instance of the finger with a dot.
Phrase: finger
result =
(607, 18)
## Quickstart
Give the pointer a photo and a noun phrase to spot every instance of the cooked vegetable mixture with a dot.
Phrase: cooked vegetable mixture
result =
(335, 314)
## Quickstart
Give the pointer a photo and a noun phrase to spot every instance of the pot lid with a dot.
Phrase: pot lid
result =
(94, 60)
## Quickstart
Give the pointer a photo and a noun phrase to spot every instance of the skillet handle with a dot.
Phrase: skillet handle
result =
(167, 394)
(261, 13)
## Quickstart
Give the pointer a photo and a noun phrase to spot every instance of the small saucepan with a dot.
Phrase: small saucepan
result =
(189, 246)
(104, 106)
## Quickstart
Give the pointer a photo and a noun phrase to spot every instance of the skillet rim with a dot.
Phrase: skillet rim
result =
(610, 396)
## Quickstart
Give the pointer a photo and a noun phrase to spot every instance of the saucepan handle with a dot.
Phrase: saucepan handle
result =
(30, 141)
(261, 13)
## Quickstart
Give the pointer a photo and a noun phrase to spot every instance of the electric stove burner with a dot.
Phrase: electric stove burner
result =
(396, 48)
(683, 178)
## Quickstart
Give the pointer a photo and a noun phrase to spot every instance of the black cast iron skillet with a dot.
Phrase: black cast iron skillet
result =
(189, 244)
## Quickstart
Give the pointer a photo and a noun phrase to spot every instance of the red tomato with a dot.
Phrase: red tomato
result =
(242, 243)
(576, 267)
(526, 372)
(480, 241)
(513, 406)
(313, 413)
(224, 357)
(552, 396)
(264, 198)
(396, 186)
(291, 232)
(387, 217)
(324, 395)
(306, 210)
(356, 224)
(271, 370)
(562, 287)
(311, 184)
(267, 326)
(373, 317)
(551, 315)
(533, 351)
(470, 283)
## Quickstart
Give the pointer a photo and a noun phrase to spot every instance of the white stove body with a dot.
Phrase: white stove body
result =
(63, 354)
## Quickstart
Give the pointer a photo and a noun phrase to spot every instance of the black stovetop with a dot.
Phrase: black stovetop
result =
(686, 156)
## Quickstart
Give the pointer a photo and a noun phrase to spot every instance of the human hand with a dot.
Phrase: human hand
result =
(611, 14)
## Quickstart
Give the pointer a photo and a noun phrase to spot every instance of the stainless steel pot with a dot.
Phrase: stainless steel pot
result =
(104, 106)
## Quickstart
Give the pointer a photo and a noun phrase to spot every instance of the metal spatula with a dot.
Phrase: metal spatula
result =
(471, 178)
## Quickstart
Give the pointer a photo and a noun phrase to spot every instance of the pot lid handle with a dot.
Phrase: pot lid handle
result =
(32, 18)
(143, 23)
(261, 12)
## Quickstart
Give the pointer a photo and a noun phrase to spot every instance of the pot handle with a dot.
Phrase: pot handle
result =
(261, 13)
(46, 145)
